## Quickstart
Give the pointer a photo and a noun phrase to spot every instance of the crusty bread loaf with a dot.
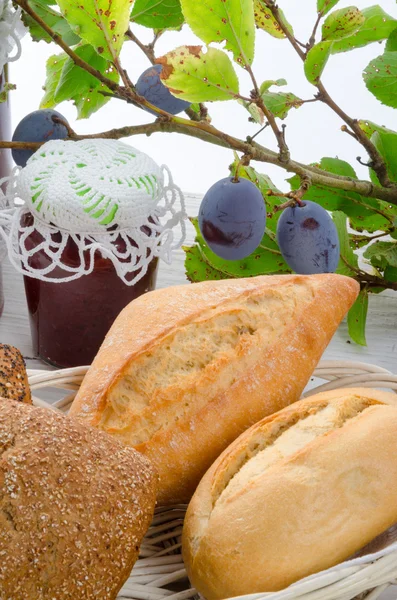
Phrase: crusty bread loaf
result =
(183, 371)
(74, 507)
(13, 377)
(299, 492)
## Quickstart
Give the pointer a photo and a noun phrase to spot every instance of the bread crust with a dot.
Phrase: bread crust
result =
(306, 512)
(183, 451)
(74, 507)
(14, 383)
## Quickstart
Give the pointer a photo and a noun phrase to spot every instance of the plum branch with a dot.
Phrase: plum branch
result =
(208, 133)
(203, 130)
(377, 162)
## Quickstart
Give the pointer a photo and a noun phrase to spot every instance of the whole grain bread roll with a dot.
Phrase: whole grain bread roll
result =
(74, 507)
(14, 383)
(185, 370)
(299, 492)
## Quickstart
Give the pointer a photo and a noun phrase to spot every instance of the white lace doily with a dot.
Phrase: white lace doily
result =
(11, 32)
(102, 195)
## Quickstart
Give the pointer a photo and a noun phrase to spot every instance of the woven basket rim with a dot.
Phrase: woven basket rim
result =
(374, 572)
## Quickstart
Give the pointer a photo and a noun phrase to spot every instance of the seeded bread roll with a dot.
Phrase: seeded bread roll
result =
(74, 507)
(183, 371)
(13, 377)
(299, 492)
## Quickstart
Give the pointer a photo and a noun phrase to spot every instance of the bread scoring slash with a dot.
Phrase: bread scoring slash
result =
(297, 493)
(185, 370)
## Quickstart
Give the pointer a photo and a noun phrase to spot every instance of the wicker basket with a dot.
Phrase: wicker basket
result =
(159, 573)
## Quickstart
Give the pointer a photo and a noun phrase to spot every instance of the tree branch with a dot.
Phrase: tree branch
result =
(146, 49)
(208, 133)
(379, 165)
(312, 39)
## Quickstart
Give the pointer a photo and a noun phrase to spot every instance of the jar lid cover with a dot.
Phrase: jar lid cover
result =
(104, 195)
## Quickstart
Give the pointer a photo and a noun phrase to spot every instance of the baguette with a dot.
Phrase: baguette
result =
(74, 507)
(13, 377)
(183, 371)
(299, 492)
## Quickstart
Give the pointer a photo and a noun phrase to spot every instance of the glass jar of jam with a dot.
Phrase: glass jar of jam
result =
(5, 158)
(69, 319)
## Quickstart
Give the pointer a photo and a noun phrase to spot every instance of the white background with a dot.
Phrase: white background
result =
(313, 130)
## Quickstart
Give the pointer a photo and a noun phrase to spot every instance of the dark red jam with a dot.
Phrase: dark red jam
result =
(69, 320)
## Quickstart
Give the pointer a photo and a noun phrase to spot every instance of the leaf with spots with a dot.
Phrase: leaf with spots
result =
(229, 21)
(382, 254)
(342, 23)
(53, 19)
(316, 60)
(369, 128)
(324, 6)
(279, 103)
(101, 23)
(265, 20)
(357, 318)
(198, 76)
(54, 68)
(157, 14)
(364, 213)
(67, 81)
(381, 78)
(197, 268)
(376, 27)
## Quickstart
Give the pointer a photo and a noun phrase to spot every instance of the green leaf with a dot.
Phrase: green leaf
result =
(390, 273)
(381, 78)
(4, 92)
(93, 100)
(195, 76)
(347, 254)
(231, 21)
(157, 14)
(279, 103)
(369, 128)
(364, 213)
(342, 23)
(265, 260)
(53, 19)
(386, 144)
(316, 60)
(357, 318)
(101, 23)
(324, 6)
(377, 27)
(382, 254)
(264, 20)
(197, 268)
(254, 110)
(266, 85)
(74, 80)
(391, 44)
(66, 81)
(54, 68)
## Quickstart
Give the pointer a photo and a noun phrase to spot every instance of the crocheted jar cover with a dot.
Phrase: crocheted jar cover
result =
(98, 193)
(11, 32)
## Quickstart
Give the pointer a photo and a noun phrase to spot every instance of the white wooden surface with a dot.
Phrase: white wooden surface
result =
(381, 326)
